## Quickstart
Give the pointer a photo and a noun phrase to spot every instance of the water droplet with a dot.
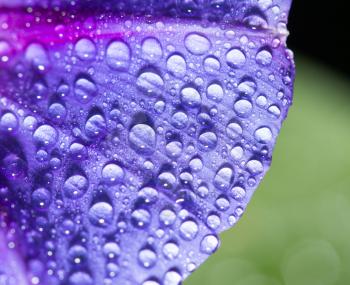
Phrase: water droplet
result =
(215, 92)
(222, 203)
(151, 83)
(151, 49)
(147, 257)
(172, 277)
(209, 244)
(207, 140)
(223, 178)
(191, 97)
(80, 278)
(112, 174)
(243, 107)
(196, 164)
(118, 55)
(166, 180)
(8, 122)
(141, 218)
(57, 112)
(213, 221)
(237, 152)
(174, 149)
(78, 150)
(189, 230)
(101, 214)
(274, 110)
(36, 54)
(171, 250)
(235, 58)
(261, 101)
(211, 65)
(85, 49)
(148, 194)
(95, 126)
(233, 130)
(263, 135)
(75, 186)
(177, 65)
(111, 250)
(84, 89)
(41, 198)
(254, 166)
(30, 123)
(264, 57)
(45, 135)
(238, 193)
(197, 44)
(247, 86)
(167, 217)
(179, 120)
(142, 138)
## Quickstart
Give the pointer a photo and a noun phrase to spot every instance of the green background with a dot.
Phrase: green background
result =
(296, 230)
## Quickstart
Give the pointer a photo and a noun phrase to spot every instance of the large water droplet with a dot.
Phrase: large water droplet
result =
(223, 178)
(41, 198)
(84, 89)
(189, 230)
(209, 244)
(235, 58)
(197, 44)
(174, 149)
(141, 218)
(243, 107)
(264, 57)
(151, 83)
(147, 257)
(172, 277)
(263, 135)
(151, 49)
(177, 65)
(57, 112)
(8, 122)
(215, 92)
(247, 86)
(142, 138)
(37, 56)
(75, 186)
(80, 278)
(101, 214)
(85, 49)
(207, 140)
(95, 126)
(211, 65)
(45, 135)
(171, 250)
(112, 174)
(118, 55)
(167, 217)
(191, 97)
(233, 130)
(179, 119)
(255, 166)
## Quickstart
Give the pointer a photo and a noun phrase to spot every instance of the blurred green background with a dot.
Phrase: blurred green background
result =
(296, 230)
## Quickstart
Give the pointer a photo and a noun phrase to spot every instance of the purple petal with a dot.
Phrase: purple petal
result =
(128, 143)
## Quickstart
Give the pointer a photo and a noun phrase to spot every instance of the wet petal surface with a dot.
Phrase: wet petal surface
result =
(128, 143)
